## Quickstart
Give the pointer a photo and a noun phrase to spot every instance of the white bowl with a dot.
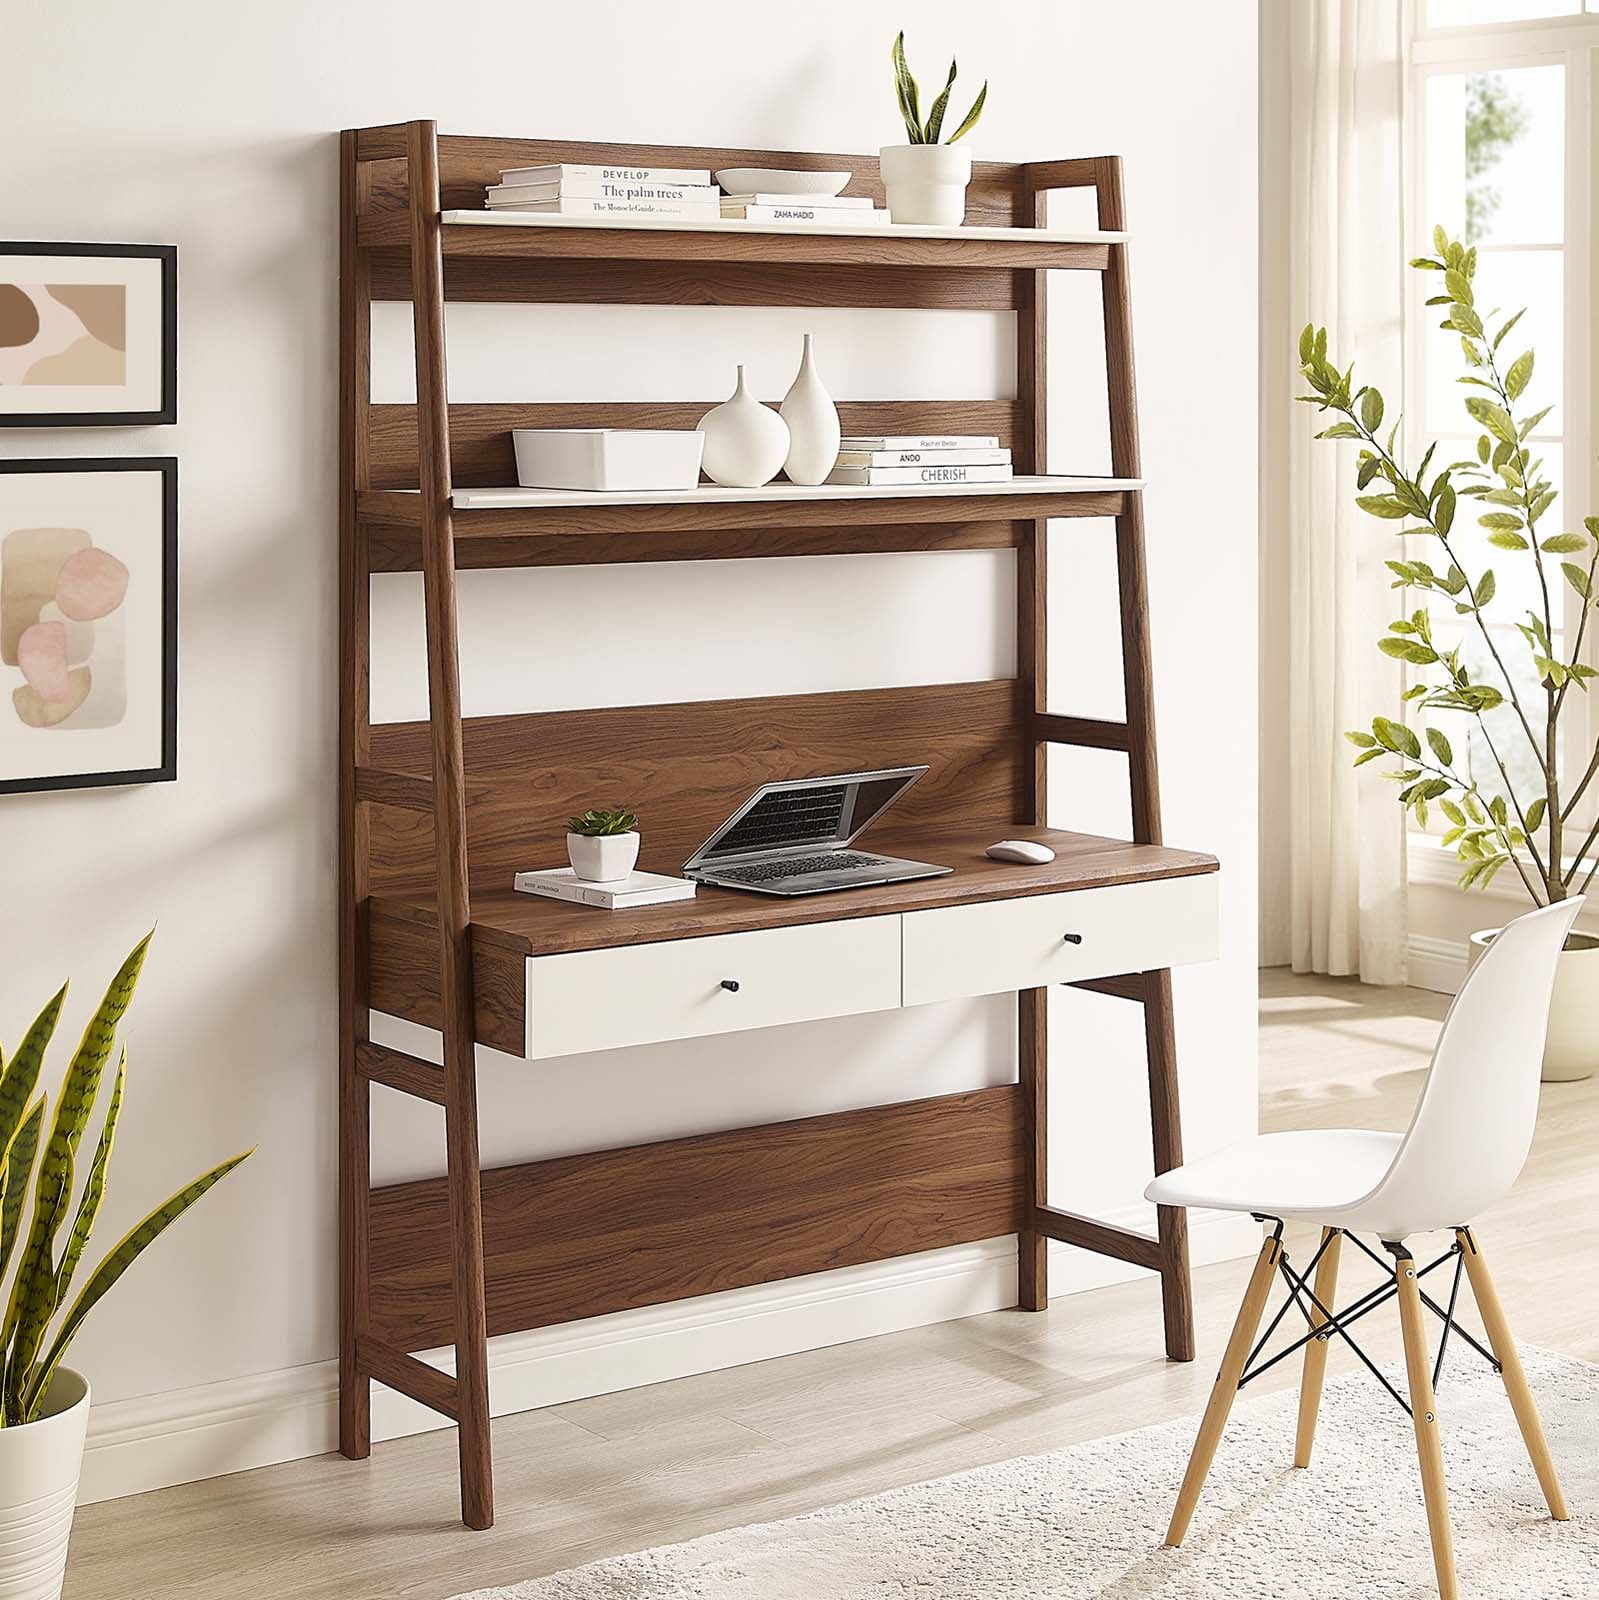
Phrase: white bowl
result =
(775, 180)
(607, 458)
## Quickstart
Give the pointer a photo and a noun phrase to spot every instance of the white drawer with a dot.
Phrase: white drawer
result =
(997, 945)
(637, 994)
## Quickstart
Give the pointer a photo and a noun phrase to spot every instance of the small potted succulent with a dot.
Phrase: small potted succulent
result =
(602, 845)
(44, 1404)
(925, 181)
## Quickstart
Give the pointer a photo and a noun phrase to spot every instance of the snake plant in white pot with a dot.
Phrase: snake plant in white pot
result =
(44, 1405)
(923, 180)
(1516, 782)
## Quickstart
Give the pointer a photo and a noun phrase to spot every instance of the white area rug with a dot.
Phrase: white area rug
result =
(1088, 1521)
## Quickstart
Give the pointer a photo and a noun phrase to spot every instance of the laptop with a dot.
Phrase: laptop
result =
(795, 837)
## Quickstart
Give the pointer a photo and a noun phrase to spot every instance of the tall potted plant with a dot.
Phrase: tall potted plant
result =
(44, 1405)
(1514, 702)
(925, 181)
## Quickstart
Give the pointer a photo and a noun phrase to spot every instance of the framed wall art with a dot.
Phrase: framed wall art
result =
(88, 622)
(88, 335)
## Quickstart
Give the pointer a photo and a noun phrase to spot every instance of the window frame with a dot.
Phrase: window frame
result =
(1571, 42)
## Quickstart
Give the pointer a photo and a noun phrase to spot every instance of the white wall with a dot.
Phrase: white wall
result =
(212, 126)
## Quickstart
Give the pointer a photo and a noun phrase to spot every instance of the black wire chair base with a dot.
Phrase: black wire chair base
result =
(1337, 1324)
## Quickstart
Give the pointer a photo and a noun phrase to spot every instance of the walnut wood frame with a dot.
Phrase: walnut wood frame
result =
(457, 1259)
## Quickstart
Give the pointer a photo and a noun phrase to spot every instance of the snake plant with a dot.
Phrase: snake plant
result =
(47, 1164)
(926, 131)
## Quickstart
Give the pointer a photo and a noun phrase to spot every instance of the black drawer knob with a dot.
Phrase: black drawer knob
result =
(730, 984)
(1071, 938)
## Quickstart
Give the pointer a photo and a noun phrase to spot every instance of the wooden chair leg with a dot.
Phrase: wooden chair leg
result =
(1424, 1408)
(1316, 1351)
(1504, 1349)
(1226, 1389)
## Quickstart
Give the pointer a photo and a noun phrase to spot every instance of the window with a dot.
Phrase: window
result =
(1499, 122)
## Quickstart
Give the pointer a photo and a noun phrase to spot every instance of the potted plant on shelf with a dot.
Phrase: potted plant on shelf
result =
(44, 1405)
(1501, 787)
(602, 845)
(925, 181)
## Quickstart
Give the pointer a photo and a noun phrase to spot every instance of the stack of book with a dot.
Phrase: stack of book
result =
(637, 889)
(908, 458)
(567, 190)
(836, 210)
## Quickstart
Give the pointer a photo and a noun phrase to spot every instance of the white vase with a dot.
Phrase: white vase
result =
(745, 442)
(1571, 1050)
(40, 1463)
(812, 419)
(602, 858)
(926, 183)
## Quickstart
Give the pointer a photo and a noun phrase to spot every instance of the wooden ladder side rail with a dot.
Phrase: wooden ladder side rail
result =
(355, 1100)
(457, 1021)
(1136, 735)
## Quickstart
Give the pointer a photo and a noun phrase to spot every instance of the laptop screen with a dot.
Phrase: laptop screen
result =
(811, 813)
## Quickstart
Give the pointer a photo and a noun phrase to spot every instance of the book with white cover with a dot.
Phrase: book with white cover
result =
(983, 457)
(637, 889)
(560, 171)
(691, 211)
(823, 202)
(862, 476)
(919, 441)
(604, 189)
(804, 213)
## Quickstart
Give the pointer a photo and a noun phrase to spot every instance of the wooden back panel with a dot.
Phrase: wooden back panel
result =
(996, 198)
(684, 768)
(481, 453)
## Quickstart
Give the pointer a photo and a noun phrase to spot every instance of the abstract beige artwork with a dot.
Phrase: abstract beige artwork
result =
(88, 622)
(63, 333)
(88, 335)
(59, 597)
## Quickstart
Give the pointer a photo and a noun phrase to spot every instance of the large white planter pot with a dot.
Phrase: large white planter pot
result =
(926, 183)
(1572, 1049)
(602, 858)
(39, 1467)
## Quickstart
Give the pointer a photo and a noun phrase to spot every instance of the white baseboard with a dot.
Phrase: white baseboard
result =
(209, 1430)
(1437, 964)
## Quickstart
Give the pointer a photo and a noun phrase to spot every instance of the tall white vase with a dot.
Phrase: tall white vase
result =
(812, 420)
(745, 442)
(40, 1463)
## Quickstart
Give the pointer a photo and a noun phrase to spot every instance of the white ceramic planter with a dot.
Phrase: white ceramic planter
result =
(812, 420)
(1572, 1049)
(602, 858)
(926, 183)
(745, 442)
(39, 1467)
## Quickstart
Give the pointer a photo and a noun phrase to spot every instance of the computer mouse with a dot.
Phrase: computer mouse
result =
(1023, 850)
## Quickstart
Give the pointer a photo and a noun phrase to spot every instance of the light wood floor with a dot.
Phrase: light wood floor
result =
(666, 1463)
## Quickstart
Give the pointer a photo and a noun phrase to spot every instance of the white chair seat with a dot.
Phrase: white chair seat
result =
(1315, 1174)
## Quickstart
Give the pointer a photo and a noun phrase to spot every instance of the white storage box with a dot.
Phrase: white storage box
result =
(607, 458)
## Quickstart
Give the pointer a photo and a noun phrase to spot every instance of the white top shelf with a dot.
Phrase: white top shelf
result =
(894, 230)
(715, 494)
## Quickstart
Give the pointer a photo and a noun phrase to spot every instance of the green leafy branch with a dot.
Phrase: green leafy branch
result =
(1506, 478)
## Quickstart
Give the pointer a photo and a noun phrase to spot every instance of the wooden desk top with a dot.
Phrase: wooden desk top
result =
(528, 925)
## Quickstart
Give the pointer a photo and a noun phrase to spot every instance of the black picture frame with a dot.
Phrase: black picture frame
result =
(167, 255)
(167, 771)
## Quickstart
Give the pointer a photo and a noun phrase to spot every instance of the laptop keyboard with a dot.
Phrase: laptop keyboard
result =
(798, 867)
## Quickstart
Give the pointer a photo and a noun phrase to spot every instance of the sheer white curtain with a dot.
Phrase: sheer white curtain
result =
(1346, 262)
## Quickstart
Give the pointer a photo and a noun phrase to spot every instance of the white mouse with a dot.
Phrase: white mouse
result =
(1023, 850)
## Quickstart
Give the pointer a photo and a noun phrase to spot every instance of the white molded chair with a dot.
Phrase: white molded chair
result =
(1466, 1144)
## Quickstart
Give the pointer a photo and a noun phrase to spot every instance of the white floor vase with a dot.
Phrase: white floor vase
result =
(1087, 1522)
(39, 1467)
